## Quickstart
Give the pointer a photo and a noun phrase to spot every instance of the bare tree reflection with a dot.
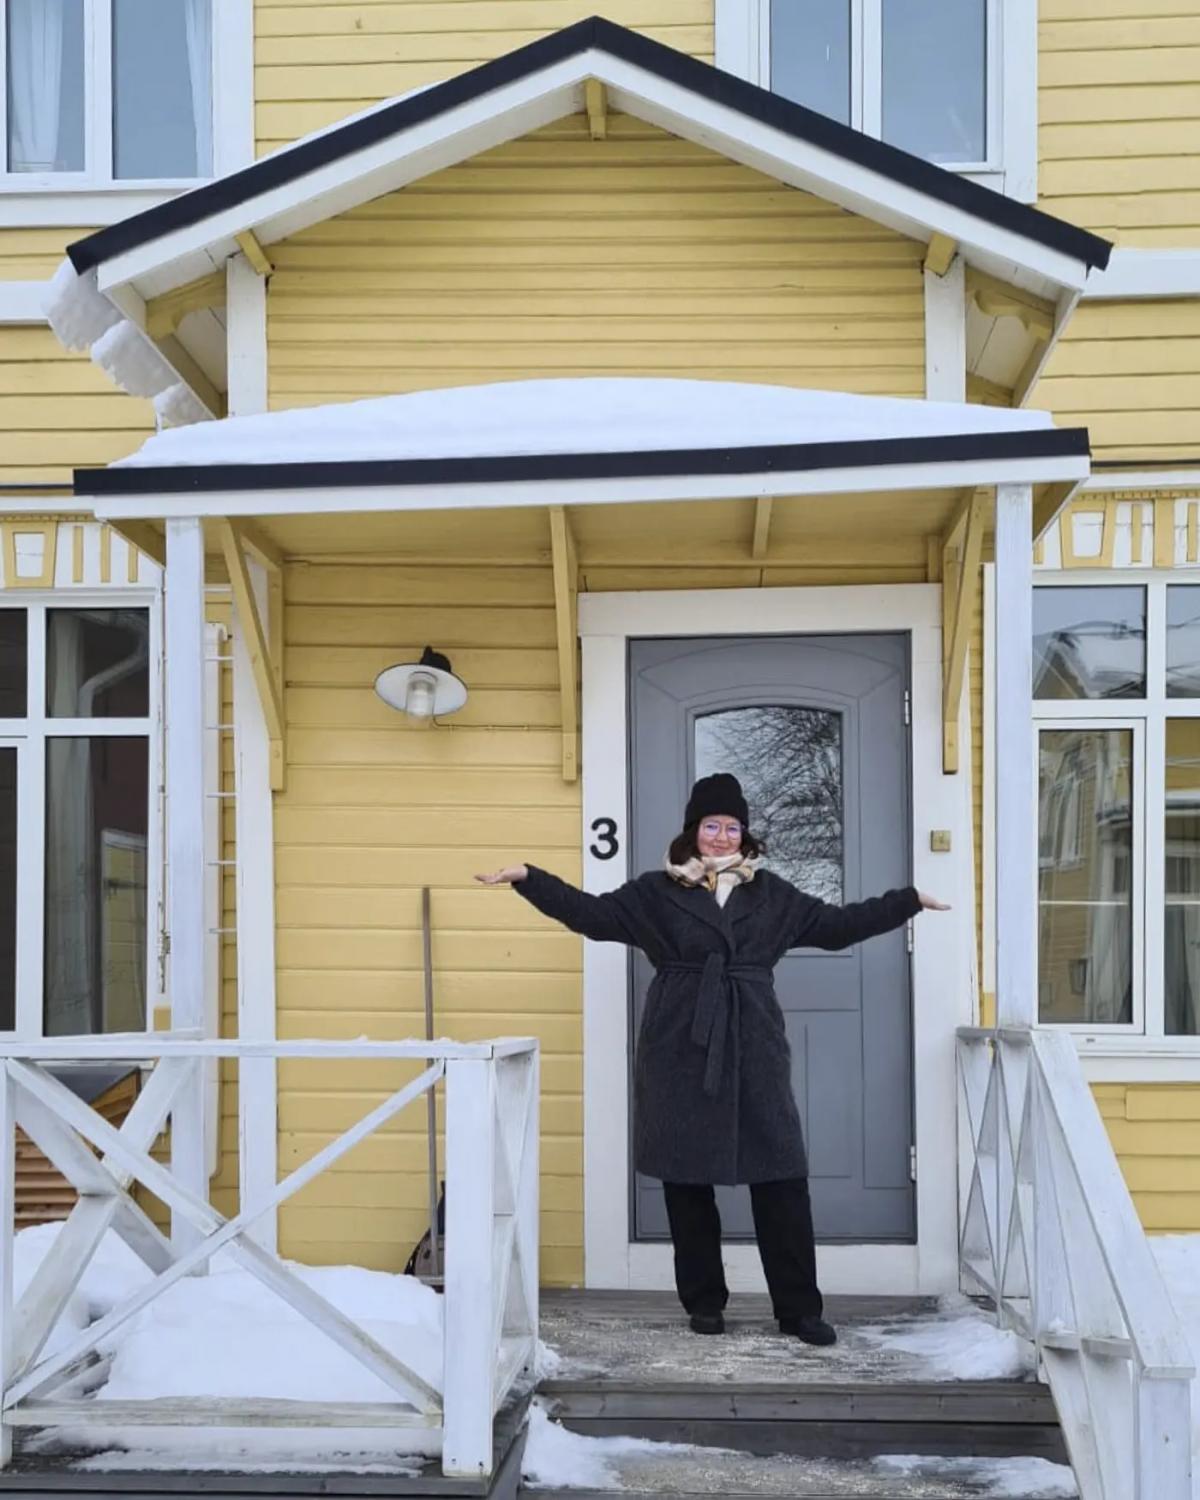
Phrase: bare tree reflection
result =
(789, 761)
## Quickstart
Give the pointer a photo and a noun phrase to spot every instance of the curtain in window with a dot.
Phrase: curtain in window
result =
(198, 15)
(72, 956)
(36, 31)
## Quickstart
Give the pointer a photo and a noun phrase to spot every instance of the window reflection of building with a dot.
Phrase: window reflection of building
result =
(1181, 935)
(1085, 875)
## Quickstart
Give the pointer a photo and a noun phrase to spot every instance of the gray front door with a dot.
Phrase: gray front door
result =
(814, 727)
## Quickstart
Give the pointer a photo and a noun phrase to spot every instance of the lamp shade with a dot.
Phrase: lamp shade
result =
(422, 689)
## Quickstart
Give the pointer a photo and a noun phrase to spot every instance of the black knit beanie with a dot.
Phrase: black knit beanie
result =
(717, 795)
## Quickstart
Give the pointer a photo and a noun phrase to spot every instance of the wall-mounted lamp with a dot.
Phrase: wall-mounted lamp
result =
(422, 688)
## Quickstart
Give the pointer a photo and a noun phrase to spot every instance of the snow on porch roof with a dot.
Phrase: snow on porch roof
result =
(581, 429)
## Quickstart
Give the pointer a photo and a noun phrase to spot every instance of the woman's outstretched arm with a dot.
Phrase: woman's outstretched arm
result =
(817, 924)
(604, 919)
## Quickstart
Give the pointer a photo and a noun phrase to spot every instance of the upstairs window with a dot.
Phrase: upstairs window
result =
(953, 81)
(99, 92)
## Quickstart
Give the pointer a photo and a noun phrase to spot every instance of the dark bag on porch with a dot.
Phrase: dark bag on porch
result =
(420, 1262)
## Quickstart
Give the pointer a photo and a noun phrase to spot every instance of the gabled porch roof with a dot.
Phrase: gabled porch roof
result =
(383, 149)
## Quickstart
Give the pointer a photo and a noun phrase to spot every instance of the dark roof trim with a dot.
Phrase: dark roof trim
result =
(655, 57)
(1045, 442)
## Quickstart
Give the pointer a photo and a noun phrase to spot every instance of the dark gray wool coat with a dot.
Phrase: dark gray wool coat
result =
(713, 1098)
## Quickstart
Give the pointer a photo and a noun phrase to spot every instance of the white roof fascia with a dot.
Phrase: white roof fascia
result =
(531, 493)
(453, 136)
(529, 103)
(854, 187)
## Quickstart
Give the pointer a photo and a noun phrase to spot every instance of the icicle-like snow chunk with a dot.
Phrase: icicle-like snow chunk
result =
(75, 309)
(179, 406)
(131, 361)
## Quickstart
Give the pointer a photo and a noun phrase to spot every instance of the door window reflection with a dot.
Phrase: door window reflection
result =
(1085, 876)
(1089, 643)
(789, 762)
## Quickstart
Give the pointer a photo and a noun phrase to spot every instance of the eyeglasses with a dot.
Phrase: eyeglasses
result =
(715, 830)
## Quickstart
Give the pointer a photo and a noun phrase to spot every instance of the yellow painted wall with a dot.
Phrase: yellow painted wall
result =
(318, 61)
(1130, 373)
(1155, 1130)
(559, 255)
(1119, 115)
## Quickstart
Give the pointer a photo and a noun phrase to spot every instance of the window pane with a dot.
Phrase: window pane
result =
(810, 54)
(1181, 934)
(935, 78)
(1183, 642)
(789, 761)
(96, 815)
(1089, 643)
(45, 86)
(162, 88)
(14, 664)
(98, 663)
(8, 888)
(1085, 850)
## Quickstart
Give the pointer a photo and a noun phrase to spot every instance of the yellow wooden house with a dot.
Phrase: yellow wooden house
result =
(745, 395)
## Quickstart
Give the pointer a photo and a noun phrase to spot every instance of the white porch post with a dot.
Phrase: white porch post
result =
(1016, 789)
(184, 588)
(254, 812)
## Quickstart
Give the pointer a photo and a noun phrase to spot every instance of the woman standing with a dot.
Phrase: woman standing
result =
(713, 1100)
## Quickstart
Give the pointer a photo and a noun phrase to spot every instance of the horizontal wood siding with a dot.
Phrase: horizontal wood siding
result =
(1155, 1131)
(1119, 117)
(373, 809)
(59, 410)
(557, 255)
(33, 254)
(317, 62)
(1130, 373)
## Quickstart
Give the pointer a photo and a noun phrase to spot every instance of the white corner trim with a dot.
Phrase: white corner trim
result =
(740, 43)
(21, 301)
(246, 337)
(233, 100)
(943, 961)
(1146, 273)
(946, 334)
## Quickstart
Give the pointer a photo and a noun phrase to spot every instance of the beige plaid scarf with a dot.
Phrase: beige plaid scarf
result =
(720, 876)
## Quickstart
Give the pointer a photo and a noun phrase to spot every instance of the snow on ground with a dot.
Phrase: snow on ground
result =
(961, 1343)
(586, 415)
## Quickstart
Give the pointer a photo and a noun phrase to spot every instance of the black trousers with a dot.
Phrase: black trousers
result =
(783, 1227)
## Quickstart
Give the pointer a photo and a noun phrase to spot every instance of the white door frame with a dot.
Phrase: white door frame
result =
(943, 958)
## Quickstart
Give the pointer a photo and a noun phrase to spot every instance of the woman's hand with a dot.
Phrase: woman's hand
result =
(931, 903)
(510, 875)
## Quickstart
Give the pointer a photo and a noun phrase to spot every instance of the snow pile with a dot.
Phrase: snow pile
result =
(556, 1458)
(1027, 1478)
(76, 309)
(961, 1343)
(179, 405)
(225, 1335)
(589, 415)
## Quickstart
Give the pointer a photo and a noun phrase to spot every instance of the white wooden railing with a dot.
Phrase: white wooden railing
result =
(490, 1312)
(1048, 1231)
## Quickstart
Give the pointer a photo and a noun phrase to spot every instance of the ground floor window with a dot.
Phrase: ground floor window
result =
(77, 756)
(1116, 684)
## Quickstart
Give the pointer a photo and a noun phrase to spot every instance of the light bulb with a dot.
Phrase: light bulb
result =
(420, 695)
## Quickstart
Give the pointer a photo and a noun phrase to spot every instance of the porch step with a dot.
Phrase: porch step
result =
(34, 1476)
(853, 1420)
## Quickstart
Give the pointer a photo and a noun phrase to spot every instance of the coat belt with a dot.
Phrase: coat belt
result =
(714, 1008)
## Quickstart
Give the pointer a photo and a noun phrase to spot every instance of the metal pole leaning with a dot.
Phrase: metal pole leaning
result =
(435, 1259)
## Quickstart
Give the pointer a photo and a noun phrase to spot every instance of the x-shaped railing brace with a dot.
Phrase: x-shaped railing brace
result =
(46, 1108)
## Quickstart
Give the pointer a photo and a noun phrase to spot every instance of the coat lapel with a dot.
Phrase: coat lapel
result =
(746, 899)
(701, 903)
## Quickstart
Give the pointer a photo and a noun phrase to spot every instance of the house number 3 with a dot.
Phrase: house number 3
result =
(606, 845)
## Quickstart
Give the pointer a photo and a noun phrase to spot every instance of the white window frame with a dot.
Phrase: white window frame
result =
(29, 735)
(94, 196)
(743, 47)
(1141, 1052)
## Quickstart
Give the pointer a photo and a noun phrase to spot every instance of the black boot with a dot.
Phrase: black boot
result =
(707, 1323)
(811, 1329)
